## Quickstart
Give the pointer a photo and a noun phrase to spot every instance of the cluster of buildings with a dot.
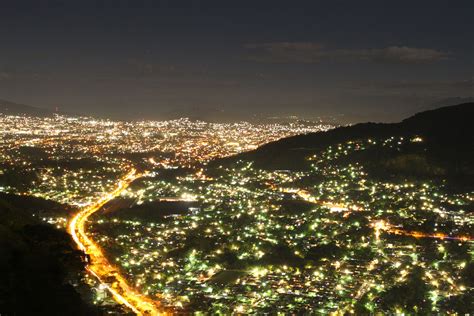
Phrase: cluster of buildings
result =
(279, 241)
(332, 237)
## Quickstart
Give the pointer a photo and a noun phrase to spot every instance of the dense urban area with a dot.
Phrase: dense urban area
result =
(169, 223)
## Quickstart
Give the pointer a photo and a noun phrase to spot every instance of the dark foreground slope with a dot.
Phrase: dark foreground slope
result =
(38, 262)
(446, 132)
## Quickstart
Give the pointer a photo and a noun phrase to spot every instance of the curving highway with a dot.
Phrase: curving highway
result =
(98, 264)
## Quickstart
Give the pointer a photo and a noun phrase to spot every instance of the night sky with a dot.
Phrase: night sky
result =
(365, 60)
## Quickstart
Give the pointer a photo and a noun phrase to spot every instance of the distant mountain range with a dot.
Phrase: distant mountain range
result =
(207, 113)
(11, 108)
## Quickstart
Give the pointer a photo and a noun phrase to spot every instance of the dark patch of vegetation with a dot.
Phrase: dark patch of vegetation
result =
(155, 211)
(226, 277)
(327, 251)
(18, 178)
(19, 208)
(295, 207)
(462, 304)
(412, 295)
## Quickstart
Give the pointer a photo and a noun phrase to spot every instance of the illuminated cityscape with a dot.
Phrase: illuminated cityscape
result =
(187, 233)
(67, 152)
(265, 242)
(236, 158)
(77, 161)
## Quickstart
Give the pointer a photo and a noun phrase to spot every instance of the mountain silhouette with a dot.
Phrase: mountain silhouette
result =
(446, 132)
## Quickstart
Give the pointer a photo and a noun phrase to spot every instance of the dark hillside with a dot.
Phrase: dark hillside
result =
(11, 108)
(446, 132)
(39, 263)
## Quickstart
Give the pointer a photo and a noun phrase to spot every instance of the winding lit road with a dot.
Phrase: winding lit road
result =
(99, 266)
(110, 278)
(379, 225)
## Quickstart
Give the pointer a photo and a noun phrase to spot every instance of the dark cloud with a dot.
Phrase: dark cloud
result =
(310, 52)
